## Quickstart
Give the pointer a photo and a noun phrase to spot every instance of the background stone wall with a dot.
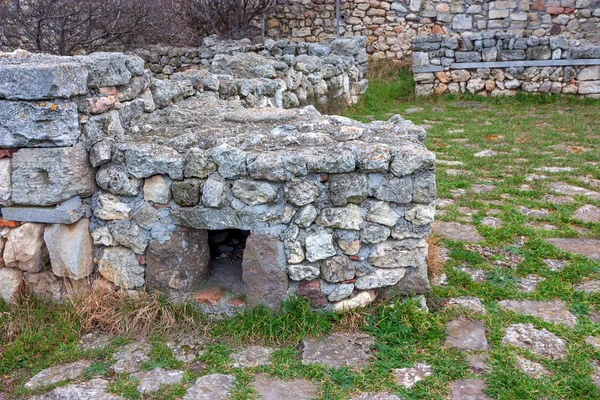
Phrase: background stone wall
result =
(390, 25)
(502, 64)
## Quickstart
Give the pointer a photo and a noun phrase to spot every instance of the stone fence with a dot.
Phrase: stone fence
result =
(112, 180)
(329, 75)
(501, 64)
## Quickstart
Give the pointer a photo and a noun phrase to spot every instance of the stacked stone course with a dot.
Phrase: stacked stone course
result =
(113, 177)
(499, 64)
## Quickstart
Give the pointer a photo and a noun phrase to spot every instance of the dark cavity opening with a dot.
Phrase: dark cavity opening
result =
(226, 254)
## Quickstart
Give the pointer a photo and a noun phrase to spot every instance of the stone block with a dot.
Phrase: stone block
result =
(25, 248)
(253, 192)
(511, 55)
(589, 87)
(44, 285)
(115, 178)
(11, 284)
(263, 274)
(462, 22)
(186, 193)
(43, 177)
(145, 159)
(591, 73)
(67, 212)
(179, 265)
(111, 69)
(101, 152)
(392, 254)
(121, 266)
(347, 188)
(70, 248)
(157, 189)
(539, 53)
(38, 124)
(5, 180)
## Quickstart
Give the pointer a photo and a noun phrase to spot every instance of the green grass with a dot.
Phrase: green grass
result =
(529, 132)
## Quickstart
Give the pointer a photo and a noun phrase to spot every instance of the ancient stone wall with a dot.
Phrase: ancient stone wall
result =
(390, 25)
(111, 179)
(501, 64)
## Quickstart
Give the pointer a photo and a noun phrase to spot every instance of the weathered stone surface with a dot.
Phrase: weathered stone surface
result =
(540, 342)
(466, 335)
(469, 389)
(5, 182)
(456, 231)
(397, 190)
(583, 246)
(157, 189)
(252, 356)
(146, 159)
(349, 217)
(94, 341)
(25, 248)
(101, 152)
(186, 193)
(231, 161)
(338, 350)
(587, 213)
(588, 286)
(186, 347)
(178, 266)
(43, 177)
(305, 272)
(211, 387)
(550, 311)
(276, 389)
(109, 207)
(337, 269)
(131, 356)
(373, 233)
(380, 278)
(67, 212)
(198, 164)
(468, 303)
(300, 192)
(359, 300)
(531, 368)
(410, 158)
(319, 246)
(253, 192)
(375, 396)
(394, 254)
(58, 373)
(381, 213)
(312, 291)
(120, 266)
(347, 188)
(115, 179)
(111, 69)
(11, 284)
(154, 379)
(40, 124)
(408, 377)
(44, 285)
(70, 248)
(420, 214)
(91, 390)
(478, 363)
(571, 190)
(266, 282)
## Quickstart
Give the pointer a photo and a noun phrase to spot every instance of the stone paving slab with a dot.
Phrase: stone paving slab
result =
(186, 348)
(456, 231)
(550, 311)
(252, 356)
(339, 350)
(94, 341)
(469, 389)
(539, 341)
(531, 368)
(91, 390)
(276, 389)
(466, 335)
(154, 379)
(478, 363)
(58, 373)
(131, 356)
(589, 248)
(408, 377)
(375, 396)
(588, 286)
(211, 387)
(468, 303)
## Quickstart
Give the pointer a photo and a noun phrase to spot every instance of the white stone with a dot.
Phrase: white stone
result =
(25, 248)
(11, 281)
(111, 208)
(319, 246)
(157, 190)
(70, 248)
(154, 379)
(360, 300)
(121, 266)
(421, 214)
(5, 180)
(303, 272)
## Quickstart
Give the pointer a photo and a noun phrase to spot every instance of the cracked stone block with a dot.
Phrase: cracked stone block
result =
(338, 350)
(67, 212)
(70, 248)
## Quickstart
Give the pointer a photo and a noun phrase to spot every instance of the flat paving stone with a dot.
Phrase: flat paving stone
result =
(443, 203)
(539, 341)
(338, 350)
(593, 341)
(186, 348)
(555, 265)
(596, 374)
(555, 311)
(408, 377)
(94, 389)
(478, 363)
(588, 286)
(440, 280)
(276, 389)
(131, 356)
(482, 188)
(457, 172)
(498, 256)
(211, 387)
(375, 396)
(572, 190)
(153, 380)
(252, 356)
(492, 222)
(531, 368)
(94, 341)
(541, 225)
(58, 373)
(587, 213)
(477, 275)
(468, 303)
(594, 316)
(529, 212)
(561, 200)
(466, 335)
(456, 231)
(589, 248)
(529, 283)
(468, 389)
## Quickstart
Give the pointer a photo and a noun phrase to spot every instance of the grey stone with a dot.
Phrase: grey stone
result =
(539, 53)
(253, 192)
(468, 389)
(376, 396)
(5, 180)
(319, 246)
(468, 303)
(231, 161)
(330, 160)
(211, 387)
(214, 191)
(275, 389)
(539, 342)
(372, 158)
(587, 213)
(111, 69)
(397, 190)
(456, 231)
(57, 373)
(373, 233)
(583, 246)
(415, 281)
(466, 335)
(165, 92)
(108, 207)
(410, 158)
(530, 282)
(408, 377)
(131, 356)
(67, 212)
(154, 379)
(348, 217)
(381, 213)
(338, 350)
(420, 214)
(94, 389)
(467, 56)
(101, 152)
(25, 248)
(337, 269)
(266, 281)
(531, 368)
(115, 179)
(198, 164)
(186, 193)
(39, 124)
(301, 272)
(380, 278)
(44, 285)
(306, 216)
(145, 159)
(300, 192)
(347, 188)
(11, 283)
(43, 177)
(157, 189)
(338, 292)
(186, 347)
(251, 357)
(478, 363)
(565, 188)
(70, 248)
(94, 341)
(120, 266)
(395, 254)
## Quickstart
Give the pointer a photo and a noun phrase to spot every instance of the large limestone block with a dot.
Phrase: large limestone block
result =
(145, 159)
(399, 254)
(11, 281)
(266, 281)
(43, 177)
(42, 80)
(70, 248)
(177, 266)
(44, 285)
(25, 248)
(38, 124)
(111, 69)
(5, 182)
(121, 266)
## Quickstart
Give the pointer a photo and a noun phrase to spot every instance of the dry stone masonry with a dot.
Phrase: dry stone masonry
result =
(500, 64)
(115, 180)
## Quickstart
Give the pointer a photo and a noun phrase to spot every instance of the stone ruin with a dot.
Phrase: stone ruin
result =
(113, 180)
